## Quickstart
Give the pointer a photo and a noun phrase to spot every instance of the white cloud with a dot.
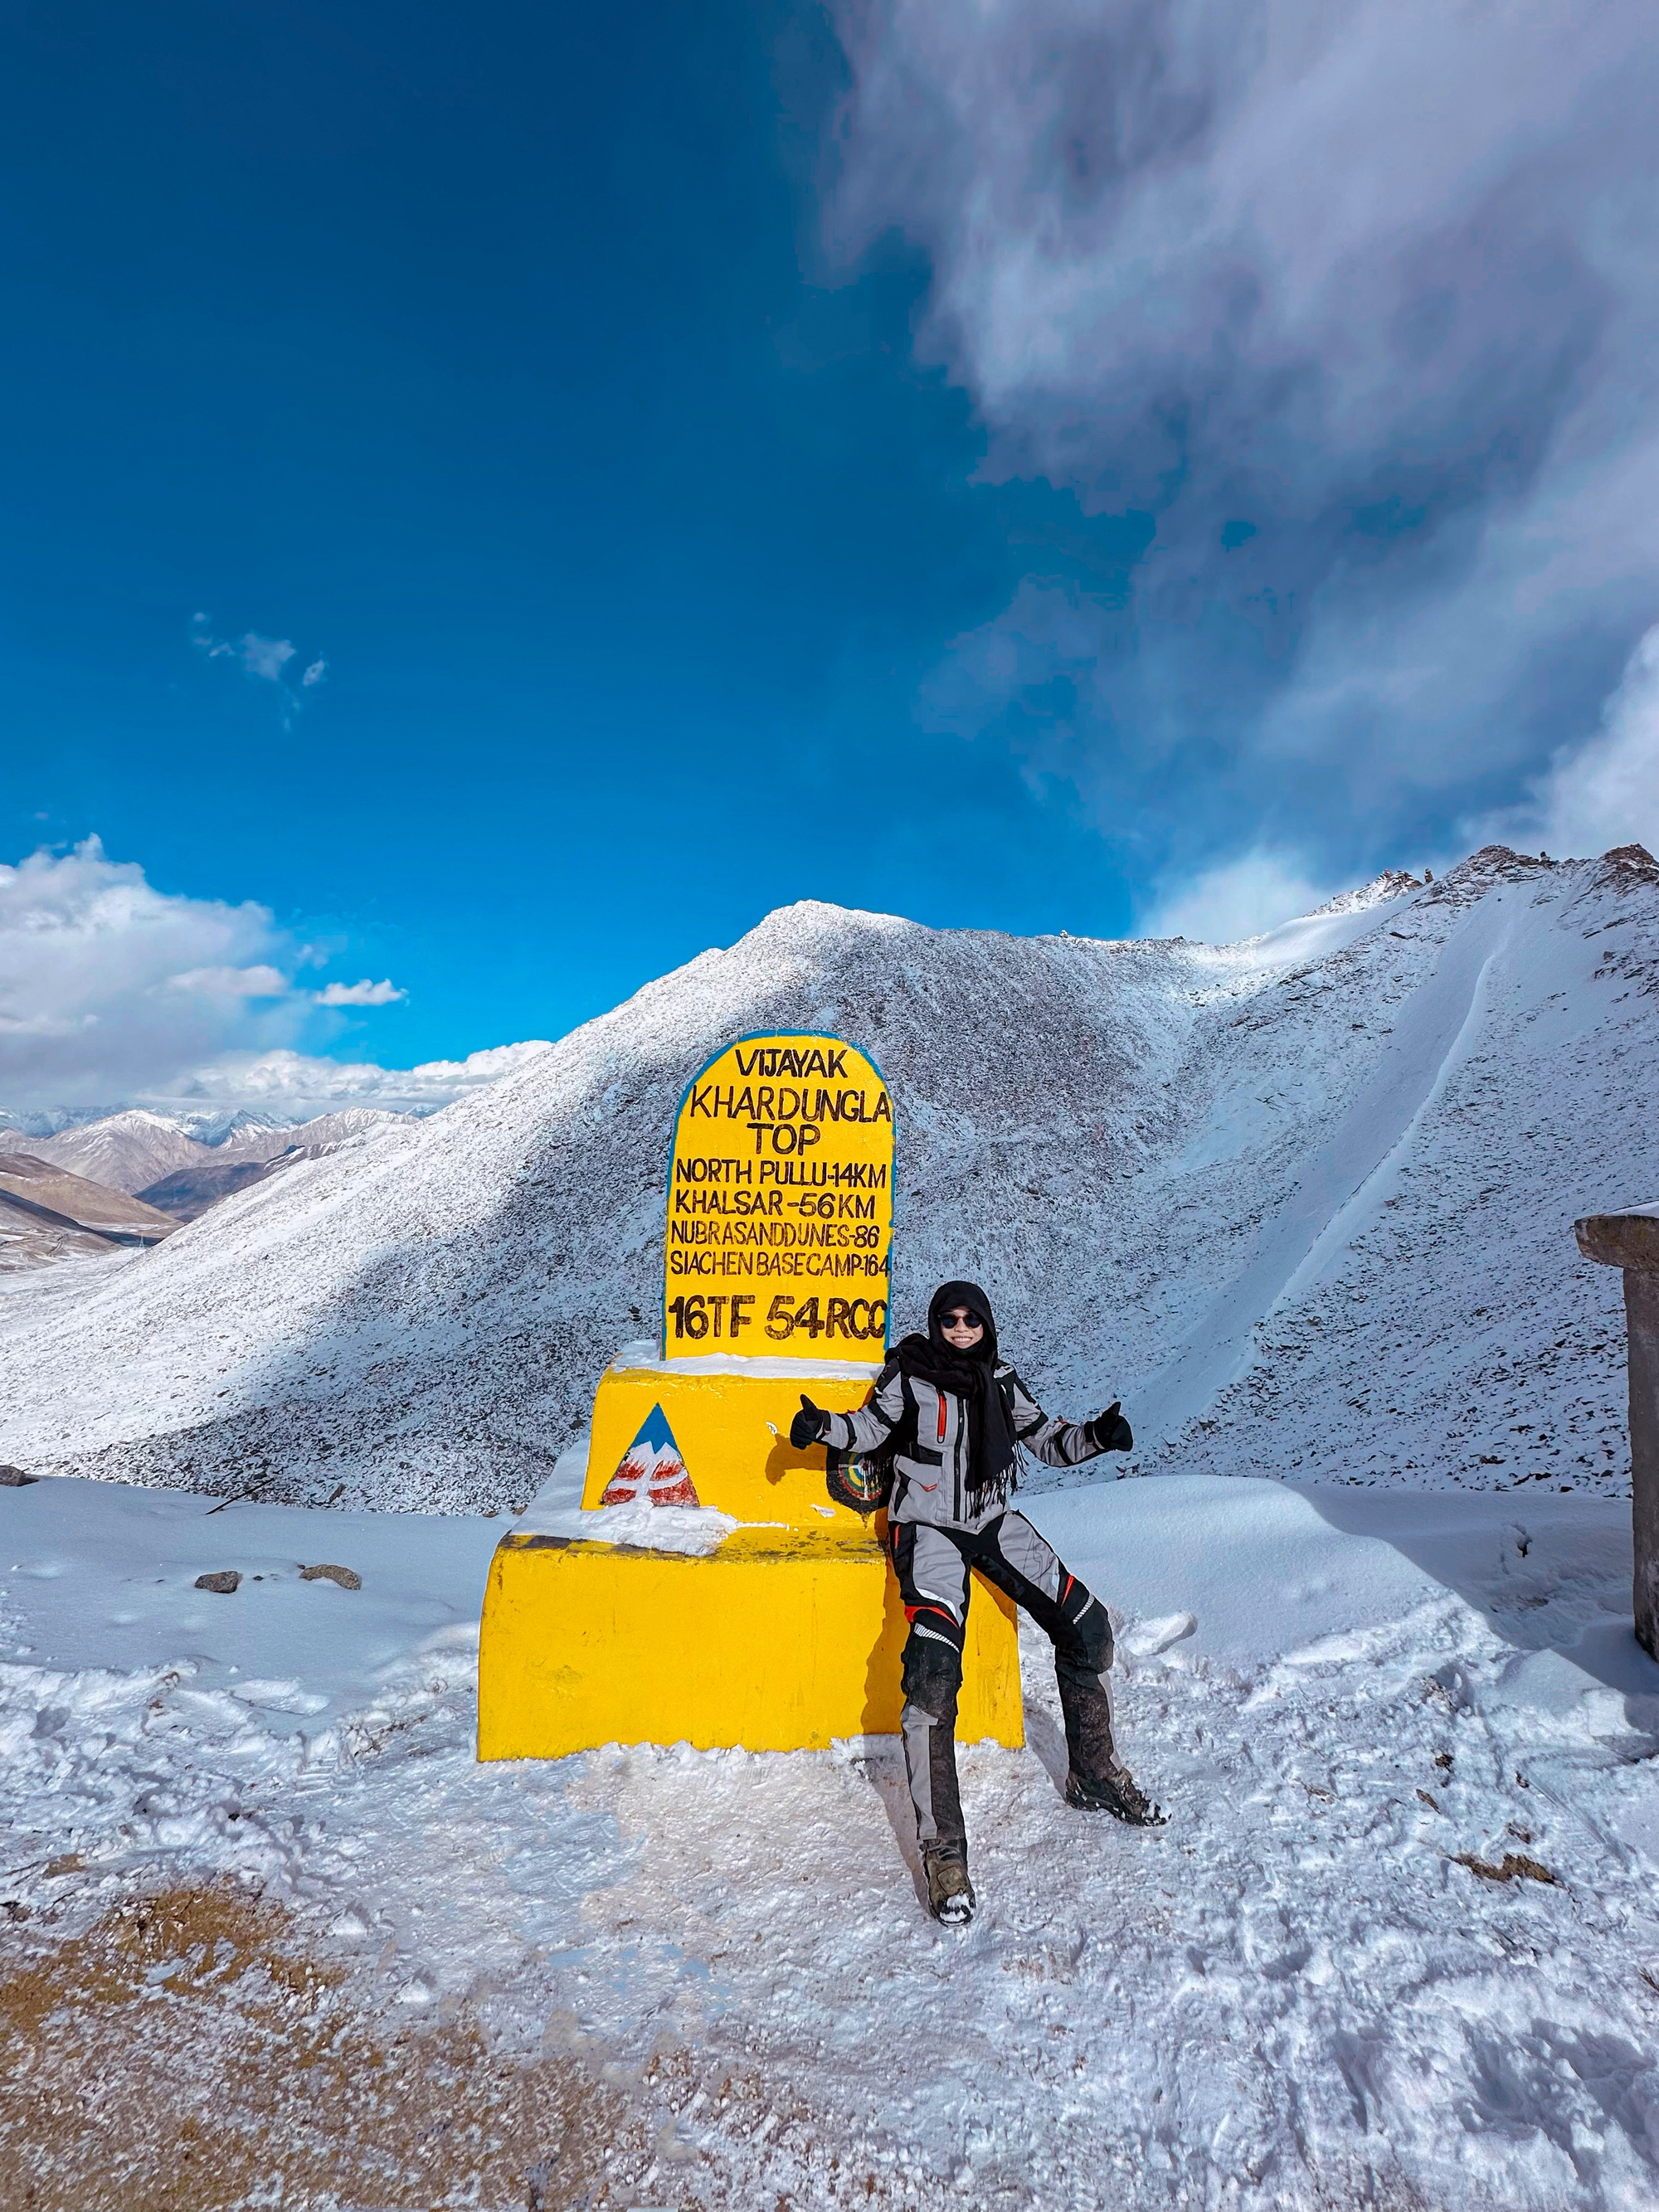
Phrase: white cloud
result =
(1372, 284)
(1049, 633)
(299, 1083)
(262, 982)
(361, 994)
(264, 659)
(113, 992)
(109, 985)
(1236, 899)
(1605, 792)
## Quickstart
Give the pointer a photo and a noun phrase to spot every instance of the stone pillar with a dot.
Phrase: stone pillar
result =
(1631, 1240)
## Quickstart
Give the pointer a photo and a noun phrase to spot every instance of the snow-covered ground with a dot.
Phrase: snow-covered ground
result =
(1295, 1996)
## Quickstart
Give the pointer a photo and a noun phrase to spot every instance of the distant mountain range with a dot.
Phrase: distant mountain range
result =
(110, 1183)
(135, 1148)
(1304, 1203)
(209, 1125)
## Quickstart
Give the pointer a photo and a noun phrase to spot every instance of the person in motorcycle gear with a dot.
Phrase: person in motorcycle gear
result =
(955, 1415)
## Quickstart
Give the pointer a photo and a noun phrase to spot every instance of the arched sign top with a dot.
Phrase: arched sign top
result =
(781, 1204)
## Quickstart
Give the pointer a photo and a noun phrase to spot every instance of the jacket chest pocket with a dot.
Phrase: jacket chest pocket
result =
(941, 1432)
(939, 1437)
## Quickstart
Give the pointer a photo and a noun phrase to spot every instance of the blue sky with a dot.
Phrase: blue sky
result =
(711, 457)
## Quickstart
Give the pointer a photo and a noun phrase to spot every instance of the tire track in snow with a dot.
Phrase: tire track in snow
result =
(1344, 1181)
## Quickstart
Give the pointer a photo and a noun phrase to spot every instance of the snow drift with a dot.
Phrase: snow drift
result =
(1397, 1949)
(1305, 1203)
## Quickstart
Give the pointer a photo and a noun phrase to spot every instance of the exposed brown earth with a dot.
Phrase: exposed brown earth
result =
(68, 1202)
(27, 1240)
(191, 2050)
(187, 2053)
(190, 1192)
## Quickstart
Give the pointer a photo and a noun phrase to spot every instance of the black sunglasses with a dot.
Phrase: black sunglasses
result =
(963, 1314)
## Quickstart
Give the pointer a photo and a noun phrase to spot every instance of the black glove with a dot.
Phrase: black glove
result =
(1110, 1431)
(809, 1425)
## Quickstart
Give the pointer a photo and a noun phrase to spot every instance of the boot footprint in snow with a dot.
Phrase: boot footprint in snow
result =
(950, 1893)
(1115, 1793)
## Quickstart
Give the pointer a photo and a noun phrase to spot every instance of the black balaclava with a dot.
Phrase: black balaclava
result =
(970, 1376)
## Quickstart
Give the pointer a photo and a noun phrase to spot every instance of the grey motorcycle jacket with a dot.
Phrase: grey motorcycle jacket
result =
(930, 1463)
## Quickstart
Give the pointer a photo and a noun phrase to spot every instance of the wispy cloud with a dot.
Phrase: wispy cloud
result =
(361, 994)
(297, 1082)
(1605, 791)
(1235, 899)
(265, 660)
(1360, 306)
(259, 982)
(264, 657)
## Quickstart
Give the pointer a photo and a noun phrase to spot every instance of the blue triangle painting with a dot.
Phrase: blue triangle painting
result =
(652, 1464)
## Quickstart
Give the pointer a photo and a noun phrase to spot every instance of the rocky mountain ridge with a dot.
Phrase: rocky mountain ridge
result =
(134, 1149)
(1303, 1203)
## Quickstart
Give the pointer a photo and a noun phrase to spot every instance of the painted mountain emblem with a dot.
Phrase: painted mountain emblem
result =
(652, 1464)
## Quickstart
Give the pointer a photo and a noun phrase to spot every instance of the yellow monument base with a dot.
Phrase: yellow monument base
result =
(786, 1638)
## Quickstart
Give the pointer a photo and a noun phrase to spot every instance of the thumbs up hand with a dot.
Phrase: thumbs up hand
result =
(809, 1425)
(1110, 1431)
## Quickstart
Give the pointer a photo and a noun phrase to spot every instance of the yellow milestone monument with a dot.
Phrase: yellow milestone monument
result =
(788, 1634)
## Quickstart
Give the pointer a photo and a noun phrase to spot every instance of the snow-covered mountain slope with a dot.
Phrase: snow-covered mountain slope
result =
(322, 1133)
(1380, 1283)
(1315, 1192)
(134, 1149)
(189, 1192)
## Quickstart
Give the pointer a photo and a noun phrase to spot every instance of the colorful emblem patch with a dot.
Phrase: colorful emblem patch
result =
(652, 1467)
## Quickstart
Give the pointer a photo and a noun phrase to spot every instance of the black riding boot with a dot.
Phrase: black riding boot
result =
(932, 1675)
(1098, 1781)
(950, 1893)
